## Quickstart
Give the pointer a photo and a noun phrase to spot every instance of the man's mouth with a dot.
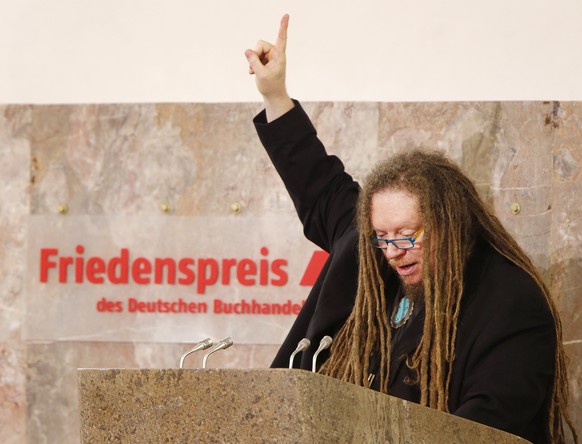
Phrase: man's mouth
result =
(405, 269)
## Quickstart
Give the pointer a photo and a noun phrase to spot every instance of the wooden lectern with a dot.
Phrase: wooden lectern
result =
(257, 406)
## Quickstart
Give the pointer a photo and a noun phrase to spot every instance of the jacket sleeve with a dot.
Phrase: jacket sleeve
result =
(324, 195)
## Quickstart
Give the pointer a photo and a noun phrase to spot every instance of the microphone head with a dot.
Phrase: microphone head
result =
(227, 342)
(325, 342)
(206, 343)
(303, 344)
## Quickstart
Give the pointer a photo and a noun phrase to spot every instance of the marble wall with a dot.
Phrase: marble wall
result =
(130, 159)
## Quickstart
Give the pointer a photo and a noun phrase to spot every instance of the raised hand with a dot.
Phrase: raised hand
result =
(268, 63)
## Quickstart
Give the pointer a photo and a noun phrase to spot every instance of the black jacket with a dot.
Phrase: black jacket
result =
(505, 348)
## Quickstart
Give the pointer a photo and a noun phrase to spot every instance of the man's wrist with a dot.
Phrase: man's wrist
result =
(275, 107)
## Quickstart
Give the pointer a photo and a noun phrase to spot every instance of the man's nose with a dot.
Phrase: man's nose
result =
(392, 252)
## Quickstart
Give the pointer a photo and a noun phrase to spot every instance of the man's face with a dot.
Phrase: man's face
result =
(395, 214)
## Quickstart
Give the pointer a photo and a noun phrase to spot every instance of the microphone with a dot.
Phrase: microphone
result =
(202, 345)
(225, 343)
(323, 344)
(301, 346)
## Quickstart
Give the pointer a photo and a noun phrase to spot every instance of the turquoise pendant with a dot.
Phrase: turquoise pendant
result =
(402, 313)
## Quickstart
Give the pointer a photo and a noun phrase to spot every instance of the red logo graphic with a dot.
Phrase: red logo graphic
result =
(314, 268)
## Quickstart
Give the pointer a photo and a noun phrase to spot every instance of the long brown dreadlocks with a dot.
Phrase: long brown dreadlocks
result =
(444, 193)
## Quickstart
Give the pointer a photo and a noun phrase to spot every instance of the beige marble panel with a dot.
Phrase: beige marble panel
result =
(15, 124)
(348, 130)
(129, 159)
(565, 250)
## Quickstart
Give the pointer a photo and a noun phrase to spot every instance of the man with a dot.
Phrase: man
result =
(427, 296)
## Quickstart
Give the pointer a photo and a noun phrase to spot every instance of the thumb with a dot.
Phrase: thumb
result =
(254, 62)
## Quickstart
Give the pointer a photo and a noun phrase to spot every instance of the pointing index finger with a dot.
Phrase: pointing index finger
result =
(281, 43)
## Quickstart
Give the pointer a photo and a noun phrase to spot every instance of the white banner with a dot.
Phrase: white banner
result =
(166, 278)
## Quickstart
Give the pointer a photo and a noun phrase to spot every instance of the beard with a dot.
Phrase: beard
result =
(414, 292)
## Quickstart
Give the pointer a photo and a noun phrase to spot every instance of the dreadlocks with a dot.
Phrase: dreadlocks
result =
(444, 194)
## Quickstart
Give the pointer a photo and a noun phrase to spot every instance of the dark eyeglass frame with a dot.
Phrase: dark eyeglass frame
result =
(411, 239)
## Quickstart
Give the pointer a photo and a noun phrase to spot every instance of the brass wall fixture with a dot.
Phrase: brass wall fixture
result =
(63, 208)
(235, 207)
(515, 208)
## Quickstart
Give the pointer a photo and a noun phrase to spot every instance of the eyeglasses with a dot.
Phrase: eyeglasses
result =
(403, 243)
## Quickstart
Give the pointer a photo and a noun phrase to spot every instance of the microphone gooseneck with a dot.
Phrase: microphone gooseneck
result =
(202, 345)
(323, 344)
(225, 343)
(301, 346)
